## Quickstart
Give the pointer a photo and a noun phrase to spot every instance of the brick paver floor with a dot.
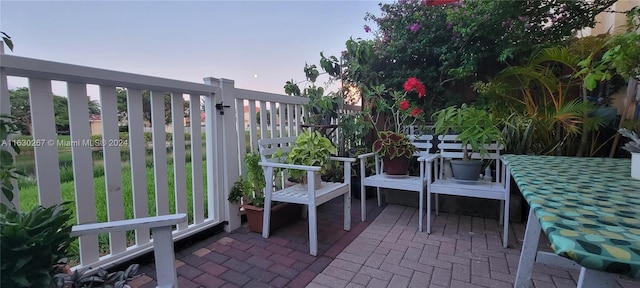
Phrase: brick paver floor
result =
(245, 259)
(385, 251)
(462, 251)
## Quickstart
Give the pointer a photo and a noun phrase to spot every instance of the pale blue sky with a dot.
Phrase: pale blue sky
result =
(187, 40)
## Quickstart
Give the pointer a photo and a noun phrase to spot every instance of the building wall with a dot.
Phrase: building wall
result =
(611, 22)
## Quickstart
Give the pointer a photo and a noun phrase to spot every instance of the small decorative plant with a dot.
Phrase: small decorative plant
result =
(250, 189)
(392, 144)
(310, 149)
(474, 127)
(632, 146)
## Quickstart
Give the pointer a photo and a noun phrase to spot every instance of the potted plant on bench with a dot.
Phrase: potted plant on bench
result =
(250, 192)
(475, 128)
(310, 149)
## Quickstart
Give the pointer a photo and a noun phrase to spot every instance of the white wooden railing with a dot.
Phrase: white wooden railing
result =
(229, 131)
(207, 211)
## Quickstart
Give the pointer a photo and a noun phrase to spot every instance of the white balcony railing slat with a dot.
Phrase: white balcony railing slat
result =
(112, 164)
(179, 162)
(253, 137)
(264, 132)
(240, 129)
(196, 159)
(283, 116)
(272, 119)
(137, 161)
(159, 153)
(82, 167)
(44, 131)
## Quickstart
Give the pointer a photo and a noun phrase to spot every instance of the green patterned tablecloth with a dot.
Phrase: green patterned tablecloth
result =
(589, 208)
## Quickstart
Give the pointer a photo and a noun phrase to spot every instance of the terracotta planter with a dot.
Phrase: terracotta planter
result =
(396, 166)
(281, 214)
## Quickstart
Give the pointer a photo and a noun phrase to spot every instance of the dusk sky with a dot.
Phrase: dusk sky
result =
(187, 40)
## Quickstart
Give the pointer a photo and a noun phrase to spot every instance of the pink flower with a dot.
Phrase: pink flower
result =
(404, 105)
(414, 83)
(367, 29)
(414, 27)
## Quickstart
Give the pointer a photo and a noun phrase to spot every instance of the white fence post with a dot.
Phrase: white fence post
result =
(225, 158)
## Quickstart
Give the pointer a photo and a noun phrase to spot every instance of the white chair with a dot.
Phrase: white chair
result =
(305, 194)
(450, 148)
(162, 240)
(409, 183)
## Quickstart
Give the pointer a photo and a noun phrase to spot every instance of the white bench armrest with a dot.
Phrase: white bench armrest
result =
(429, 158)
(366, 155)
(343, 159)
(290, 166)
(125, 225)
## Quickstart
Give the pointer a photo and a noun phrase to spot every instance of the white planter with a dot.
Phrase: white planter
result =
(635, 166)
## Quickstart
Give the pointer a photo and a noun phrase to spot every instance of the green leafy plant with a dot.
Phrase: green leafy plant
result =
(250, 189)
(632, 146)
(474, 127)
(85, 278)
(32, 243)
(8, 126)
(310, 149)
(391, 144)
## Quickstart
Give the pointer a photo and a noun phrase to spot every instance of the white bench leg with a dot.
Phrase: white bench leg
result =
(347, 211)
(379, 197)
(266, 218)
(165, 258)
(594, 278)
(421, 210)
(428, 212)
(313, 231)
(363, 202)
(528, 253)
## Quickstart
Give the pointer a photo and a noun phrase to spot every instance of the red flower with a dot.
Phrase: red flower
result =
(404, 105)
(414, 83)
(416, 111)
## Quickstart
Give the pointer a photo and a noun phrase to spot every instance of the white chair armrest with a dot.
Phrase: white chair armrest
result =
(125, 225)
(343, 159)
(429, 158)
(290, 166)
(366, 155)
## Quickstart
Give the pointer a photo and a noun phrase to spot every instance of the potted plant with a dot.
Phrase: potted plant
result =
(250, 192)
(633, 147)
(395, 114)
(310, 149)
(474, 128)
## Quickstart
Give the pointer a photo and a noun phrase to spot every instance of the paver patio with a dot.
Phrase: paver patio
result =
(385, 251)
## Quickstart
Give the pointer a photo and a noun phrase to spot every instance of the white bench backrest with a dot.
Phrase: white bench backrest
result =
(423, 143)
(450, 147)
(269, 146)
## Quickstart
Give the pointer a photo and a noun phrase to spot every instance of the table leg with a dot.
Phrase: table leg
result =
(595, 278)
(529, 249)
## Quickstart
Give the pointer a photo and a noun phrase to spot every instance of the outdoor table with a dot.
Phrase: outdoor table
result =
(589, 208)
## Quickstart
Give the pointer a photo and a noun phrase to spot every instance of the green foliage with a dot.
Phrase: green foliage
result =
(252, 188)
(310, 149)
(474, 127)
(392, 144)
(21, 109)
(8, 173)
(32, 243)
(146, 106)
(86, 278)
(632, 146)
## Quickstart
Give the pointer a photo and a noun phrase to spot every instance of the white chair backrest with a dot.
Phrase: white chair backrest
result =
(450, 147)
(423, 143)
(269, 146)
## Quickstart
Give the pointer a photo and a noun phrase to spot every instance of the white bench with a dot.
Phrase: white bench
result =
(409, 183)
(450, 148)
(162, 240)
(301, 194)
